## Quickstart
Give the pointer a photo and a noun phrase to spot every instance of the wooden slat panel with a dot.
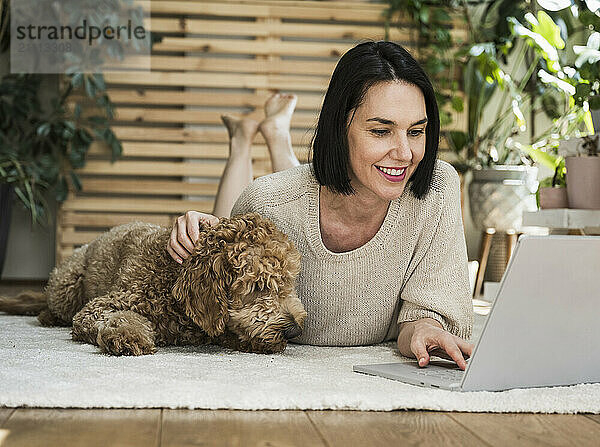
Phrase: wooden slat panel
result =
(255, 47)
(158, 150)
(155, 115)
(158, 168)
(153, 168)
(278, 29)
(399, 29)
(358, 4)
(299, 137)
(110, 220)
(137, 205)
(63, 253)
(220, 80)
(148, 187)
(191, 98)
(233, 64)
(310, 10)
(170, 150)
(72, 237)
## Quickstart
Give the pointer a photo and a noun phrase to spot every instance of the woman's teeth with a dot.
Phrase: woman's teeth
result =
(392, 171)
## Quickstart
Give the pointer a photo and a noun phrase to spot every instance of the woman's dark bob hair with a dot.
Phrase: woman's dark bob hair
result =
(358, 69)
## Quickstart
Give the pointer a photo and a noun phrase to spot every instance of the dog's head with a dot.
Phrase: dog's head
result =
(241, 277)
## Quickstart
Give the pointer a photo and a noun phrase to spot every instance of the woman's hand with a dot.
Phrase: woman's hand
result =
(185, 233)
(426, 337)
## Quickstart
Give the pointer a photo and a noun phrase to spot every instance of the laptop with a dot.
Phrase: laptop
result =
(542, 330)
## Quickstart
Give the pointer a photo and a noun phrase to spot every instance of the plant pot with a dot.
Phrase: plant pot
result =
(583, 181)
(596, 119)
(553, 197)
(499, 195)
(5, 211)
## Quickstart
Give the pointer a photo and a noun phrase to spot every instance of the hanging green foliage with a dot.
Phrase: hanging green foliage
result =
(42, 145)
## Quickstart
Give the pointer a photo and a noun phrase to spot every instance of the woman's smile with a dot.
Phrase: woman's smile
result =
(393, 174)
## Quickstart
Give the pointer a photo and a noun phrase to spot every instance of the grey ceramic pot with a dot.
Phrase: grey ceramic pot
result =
(499, 195)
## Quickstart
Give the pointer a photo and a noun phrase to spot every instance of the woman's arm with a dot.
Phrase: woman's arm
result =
(436, 284)
(421, 337)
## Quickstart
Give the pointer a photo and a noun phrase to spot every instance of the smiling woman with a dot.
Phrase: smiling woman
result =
(375, 216)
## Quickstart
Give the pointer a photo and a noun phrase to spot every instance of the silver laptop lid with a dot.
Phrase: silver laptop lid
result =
(544, 328)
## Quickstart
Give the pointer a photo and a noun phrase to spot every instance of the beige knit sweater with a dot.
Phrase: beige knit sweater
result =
(414, 267)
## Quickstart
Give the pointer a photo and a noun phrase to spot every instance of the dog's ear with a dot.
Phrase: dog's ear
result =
(203, 284)
(262, 256)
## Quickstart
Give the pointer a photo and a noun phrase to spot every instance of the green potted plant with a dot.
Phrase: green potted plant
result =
(549, 84)
(40, 148)
(581, 154)
(497, 65)
(43, 144)
(552, 192)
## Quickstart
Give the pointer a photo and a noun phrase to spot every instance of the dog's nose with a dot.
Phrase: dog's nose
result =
(292, 331)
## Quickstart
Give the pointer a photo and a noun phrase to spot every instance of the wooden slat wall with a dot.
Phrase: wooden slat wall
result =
(215, 57)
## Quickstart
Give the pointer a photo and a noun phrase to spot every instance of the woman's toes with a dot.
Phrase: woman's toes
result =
(272, 104)
(279, 104)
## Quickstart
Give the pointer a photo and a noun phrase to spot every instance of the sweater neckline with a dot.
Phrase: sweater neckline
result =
(314, 227)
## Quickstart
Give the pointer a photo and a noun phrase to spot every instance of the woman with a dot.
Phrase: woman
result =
(375, 216)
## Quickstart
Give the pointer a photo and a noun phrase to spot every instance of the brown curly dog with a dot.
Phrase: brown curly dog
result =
(125, 294)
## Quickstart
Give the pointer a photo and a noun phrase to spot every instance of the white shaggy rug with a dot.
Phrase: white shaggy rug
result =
(43, 367)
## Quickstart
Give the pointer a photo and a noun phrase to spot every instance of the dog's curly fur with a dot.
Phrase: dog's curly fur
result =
(124, 293)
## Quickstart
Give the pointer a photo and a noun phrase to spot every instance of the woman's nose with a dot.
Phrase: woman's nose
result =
(401, 150)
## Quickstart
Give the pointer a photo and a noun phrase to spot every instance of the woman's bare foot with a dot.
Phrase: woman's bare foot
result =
(241, 130)
(278, 115)
(276, 130)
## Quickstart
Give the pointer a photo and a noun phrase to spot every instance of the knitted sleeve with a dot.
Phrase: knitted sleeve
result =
(438, 287)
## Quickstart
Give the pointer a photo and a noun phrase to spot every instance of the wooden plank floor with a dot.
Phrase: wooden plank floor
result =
(156, 427)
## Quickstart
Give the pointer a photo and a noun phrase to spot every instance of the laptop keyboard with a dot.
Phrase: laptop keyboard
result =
(450, 375)
(442, 370)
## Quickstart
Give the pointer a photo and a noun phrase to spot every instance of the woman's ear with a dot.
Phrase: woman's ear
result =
(203, 285)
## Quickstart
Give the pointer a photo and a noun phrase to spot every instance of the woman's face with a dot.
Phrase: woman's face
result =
(387, 133)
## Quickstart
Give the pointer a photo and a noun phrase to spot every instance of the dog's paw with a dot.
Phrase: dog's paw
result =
(46, 318)
(121, 336)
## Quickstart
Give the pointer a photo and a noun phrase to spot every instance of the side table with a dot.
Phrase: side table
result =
(565, 220)
(510, 239)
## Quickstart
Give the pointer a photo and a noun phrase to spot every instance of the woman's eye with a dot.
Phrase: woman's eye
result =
(416, 132)
(379, 132)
